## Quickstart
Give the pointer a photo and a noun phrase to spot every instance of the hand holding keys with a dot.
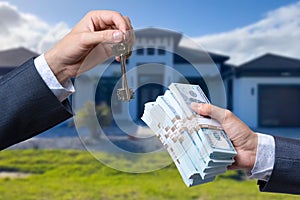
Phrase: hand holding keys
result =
(123, 50)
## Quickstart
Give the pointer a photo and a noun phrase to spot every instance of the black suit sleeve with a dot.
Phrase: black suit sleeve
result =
(285, 177)
(27, 106)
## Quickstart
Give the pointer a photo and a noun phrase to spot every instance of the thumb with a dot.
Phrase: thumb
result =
(107, 36)
(209, 110)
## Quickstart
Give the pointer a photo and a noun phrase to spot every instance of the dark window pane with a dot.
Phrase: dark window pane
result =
(150, 51)
(140, 51)
(161, 51)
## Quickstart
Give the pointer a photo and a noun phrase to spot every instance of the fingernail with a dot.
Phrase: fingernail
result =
(196, 106)
(117, 35)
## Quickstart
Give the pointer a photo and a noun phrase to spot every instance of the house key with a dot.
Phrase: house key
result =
(121, 49)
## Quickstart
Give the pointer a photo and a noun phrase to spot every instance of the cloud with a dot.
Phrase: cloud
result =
(27, 30)
(278, 32)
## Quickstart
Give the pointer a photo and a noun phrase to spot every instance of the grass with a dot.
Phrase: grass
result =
(71, 174)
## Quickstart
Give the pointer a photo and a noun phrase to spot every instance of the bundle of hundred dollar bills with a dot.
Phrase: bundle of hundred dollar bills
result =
(199, 147)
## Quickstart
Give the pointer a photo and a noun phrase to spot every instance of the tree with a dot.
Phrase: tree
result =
(92, 116)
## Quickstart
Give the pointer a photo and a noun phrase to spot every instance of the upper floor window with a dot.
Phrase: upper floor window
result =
(161, 51)
(140, 51)
(150, 51)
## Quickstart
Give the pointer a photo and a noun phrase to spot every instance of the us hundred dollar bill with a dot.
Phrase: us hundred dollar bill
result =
(199, 147)
(185, 94)
(209, 130)
(192, 171)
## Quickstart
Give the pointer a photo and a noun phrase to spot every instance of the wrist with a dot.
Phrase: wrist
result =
(253, 144)
(59, 70)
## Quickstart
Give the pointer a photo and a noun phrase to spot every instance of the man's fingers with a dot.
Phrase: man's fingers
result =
(128, 22)
(122, 23)
(95, 38)
(197, 108)
(103, 20)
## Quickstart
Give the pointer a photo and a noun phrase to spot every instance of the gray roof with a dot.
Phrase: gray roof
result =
(12, 58)
(157, 32)
(270, 65)
(15, 57)
(197, 56)
(182, 54)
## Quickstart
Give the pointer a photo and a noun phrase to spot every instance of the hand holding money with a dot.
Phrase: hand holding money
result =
(243, 138)
(198, 146)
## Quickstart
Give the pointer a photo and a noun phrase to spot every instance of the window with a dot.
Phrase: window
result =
(140, 51)
(104, 93)
(161, 51)
(150, 51)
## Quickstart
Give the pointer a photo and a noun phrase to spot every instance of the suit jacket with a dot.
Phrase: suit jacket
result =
(27, 106)
(285, 177)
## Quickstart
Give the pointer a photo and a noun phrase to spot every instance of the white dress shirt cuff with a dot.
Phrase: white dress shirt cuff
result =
(265, 158)
(61, 91)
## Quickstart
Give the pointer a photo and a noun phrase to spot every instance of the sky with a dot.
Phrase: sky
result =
(242, 30)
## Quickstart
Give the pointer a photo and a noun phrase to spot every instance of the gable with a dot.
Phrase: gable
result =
(12, 58)
(15, 57)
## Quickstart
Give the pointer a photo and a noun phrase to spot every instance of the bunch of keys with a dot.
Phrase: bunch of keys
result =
(121, 49)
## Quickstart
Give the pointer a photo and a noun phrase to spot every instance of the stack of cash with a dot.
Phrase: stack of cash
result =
(199, 147)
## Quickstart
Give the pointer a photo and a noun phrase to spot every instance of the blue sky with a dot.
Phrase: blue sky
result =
(191, 17)
(240, 29)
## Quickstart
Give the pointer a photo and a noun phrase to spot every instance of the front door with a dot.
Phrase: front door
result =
(148, 91)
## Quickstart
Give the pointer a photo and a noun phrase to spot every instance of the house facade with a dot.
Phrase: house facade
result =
(265, 92)
(158, 59)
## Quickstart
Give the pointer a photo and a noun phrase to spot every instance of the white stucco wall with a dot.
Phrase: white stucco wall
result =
(210, 73)
(85, 92)
(141, 65)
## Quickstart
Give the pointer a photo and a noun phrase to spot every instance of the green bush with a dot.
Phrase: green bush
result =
(86, 117)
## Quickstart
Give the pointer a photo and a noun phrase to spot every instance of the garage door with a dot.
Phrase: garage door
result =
(279, 105)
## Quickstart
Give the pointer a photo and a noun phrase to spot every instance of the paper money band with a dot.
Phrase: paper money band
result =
(176, 119)
(187, 124)
(195, 117)
(198, 127)
(181, 124)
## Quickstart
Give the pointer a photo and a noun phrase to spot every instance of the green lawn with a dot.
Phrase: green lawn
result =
(70, 174)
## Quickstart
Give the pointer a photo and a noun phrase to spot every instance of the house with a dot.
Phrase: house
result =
(158, 59)
(265, 92)
(12, 58)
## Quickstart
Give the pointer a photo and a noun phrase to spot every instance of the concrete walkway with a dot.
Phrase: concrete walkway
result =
(140, 139)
